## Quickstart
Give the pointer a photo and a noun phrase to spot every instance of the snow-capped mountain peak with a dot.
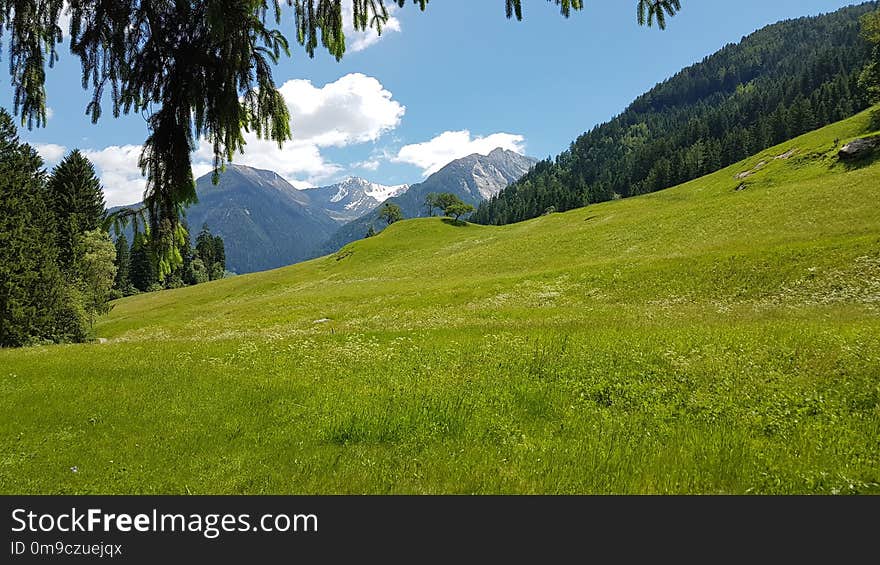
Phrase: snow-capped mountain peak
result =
(353, 197)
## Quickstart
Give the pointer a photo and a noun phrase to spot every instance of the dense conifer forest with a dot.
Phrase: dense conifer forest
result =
(780, 82)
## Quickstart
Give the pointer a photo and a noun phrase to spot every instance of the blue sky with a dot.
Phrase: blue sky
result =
(458, 79)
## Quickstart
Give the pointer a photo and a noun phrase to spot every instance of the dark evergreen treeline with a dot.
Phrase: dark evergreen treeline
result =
(56, 263)
(778, 83)
(59, 269)
(136, 265)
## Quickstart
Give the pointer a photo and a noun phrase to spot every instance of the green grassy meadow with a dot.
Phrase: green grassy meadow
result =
(696, 340)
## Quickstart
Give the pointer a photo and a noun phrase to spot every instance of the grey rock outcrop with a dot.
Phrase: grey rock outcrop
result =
(859, 148)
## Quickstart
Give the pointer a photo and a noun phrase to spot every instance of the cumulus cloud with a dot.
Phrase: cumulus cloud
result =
(120, 175)
(360, 40)
(434, 154)
(50, 152)
(295, 161)
(369, 165)
(352, 110)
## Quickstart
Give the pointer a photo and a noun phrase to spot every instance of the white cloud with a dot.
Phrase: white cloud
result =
(50, 152)
(369, 164)
(433, 155)
(295, 161)
(120, 175)
(360, 40)
(354, 109)
(50, 113)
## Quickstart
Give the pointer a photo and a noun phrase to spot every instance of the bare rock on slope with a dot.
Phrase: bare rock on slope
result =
(859, 148)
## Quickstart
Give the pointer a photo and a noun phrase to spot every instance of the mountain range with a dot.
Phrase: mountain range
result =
(266, 223)
(352, 198)
(473, 179)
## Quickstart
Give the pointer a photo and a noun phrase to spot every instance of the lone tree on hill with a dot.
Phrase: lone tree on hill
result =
(431, 202)
(456, 211)
(196, 70)
(453, 206)
(390, 213)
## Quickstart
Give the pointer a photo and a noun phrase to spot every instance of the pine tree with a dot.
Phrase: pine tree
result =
(143, 272)
(220, 255)
(870, 76)
(206, 250)
(77, 201)
(211, 250)
(122, 281)
(35, 304)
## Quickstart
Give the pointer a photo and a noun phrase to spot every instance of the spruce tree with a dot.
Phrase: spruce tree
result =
(33, 297)
(206, 250)
(77, 201)
(187, 254)
(122, 282)
(219, 266)
(143, 272)
(211, 250)
(870, 76)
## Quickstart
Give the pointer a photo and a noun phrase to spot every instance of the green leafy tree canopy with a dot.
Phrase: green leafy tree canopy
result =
(96, 269)
(391, 213)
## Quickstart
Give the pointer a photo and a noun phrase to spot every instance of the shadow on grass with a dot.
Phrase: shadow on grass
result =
(456, 223)
(862, 161)
(871, 155)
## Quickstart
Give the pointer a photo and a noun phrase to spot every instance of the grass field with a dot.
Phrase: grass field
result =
(697, 340)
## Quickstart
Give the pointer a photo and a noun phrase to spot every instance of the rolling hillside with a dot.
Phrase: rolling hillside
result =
(719, 336)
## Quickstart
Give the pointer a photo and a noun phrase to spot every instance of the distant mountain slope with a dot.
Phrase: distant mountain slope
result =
(265, 222)
(352, 198)
(779, 82)
(473, 179)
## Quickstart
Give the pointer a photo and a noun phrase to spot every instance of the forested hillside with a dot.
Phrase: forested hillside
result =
(782, 81)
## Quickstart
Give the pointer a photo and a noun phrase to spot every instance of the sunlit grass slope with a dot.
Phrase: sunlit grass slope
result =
(701, 339)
